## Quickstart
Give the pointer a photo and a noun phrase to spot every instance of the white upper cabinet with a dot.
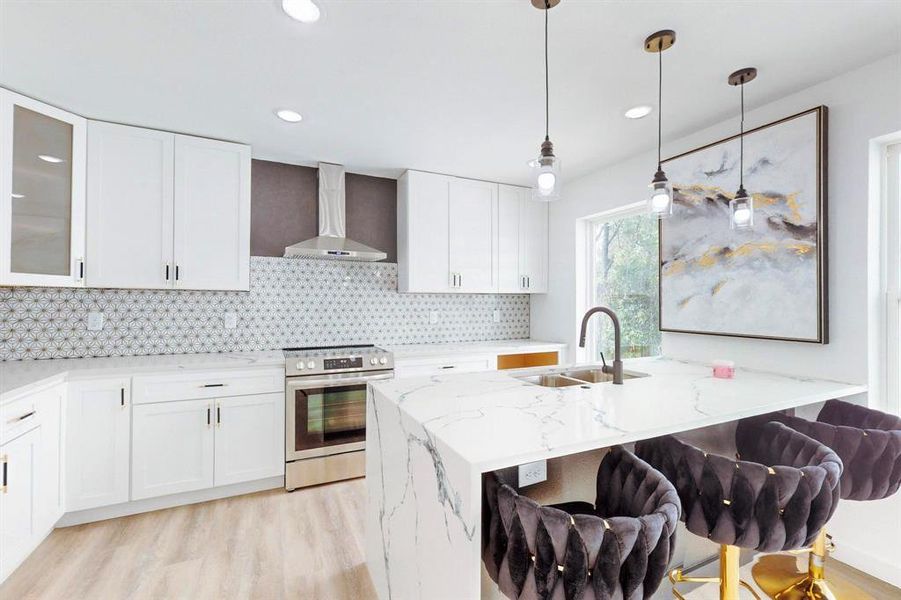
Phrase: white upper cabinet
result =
(510, 198)
(212, 214)
(446, 234)
(423, 248)
(129, 224)
(42, 194)
(522, 241)
(533, 243)
(472, 210)
(468, 236)
(166, 210)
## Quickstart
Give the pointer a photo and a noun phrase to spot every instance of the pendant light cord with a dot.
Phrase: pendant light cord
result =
(741, 141)
(659, 100)
(547, 87)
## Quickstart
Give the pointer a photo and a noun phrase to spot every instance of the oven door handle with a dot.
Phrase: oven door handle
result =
(299, 384)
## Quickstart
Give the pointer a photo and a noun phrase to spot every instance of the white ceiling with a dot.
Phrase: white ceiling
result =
(448, 86)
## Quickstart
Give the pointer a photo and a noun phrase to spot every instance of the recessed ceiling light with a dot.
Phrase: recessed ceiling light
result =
(18, 196)
(639, 112)
(304, 11)
(291, 116)
(50, 159)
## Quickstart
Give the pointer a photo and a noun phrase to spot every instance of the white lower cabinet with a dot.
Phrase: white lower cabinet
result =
(18, 460)
(249, 438)
(97, 443)
(185, 445)
(172, 448)
(30, 495)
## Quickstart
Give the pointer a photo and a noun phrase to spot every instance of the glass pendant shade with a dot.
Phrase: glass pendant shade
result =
(545, 174)
(660, 202)
(741, 210)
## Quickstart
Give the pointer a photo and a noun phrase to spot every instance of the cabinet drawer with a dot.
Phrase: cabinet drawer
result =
(442, 365)
(196, 385)
(19, 416)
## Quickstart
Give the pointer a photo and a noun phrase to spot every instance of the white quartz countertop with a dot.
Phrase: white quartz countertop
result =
(21, 376)
(493, 420)
(410, 351)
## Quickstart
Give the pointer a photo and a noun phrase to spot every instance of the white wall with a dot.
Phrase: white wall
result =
(863, 104)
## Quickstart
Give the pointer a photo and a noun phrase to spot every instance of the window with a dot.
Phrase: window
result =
(893, 278)
(623, 276)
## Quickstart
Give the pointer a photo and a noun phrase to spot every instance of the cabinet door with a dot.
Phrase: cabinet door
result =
(533, 245)
(250, 434)
(472, 210)
(97, 443)
(129, 207)
(422, 233)
(212, 214)
(172, 448)
(42, 184)
(17, 462)
(48, 477)
(509, 199)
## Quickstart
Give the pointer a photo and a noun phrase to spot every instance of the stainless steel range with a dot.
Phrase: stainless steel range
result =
(325, 404)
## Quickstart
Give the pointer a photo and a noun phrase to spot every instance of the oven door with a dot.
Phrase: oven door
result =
(326, 415)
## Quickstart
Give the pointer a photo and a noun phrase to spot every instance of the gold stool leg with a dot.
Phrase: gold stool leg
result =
(778, 576)
(729, 579)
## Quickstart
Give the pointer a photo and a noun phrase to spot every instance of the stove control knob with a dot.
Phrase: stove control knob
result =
(300, 366)
(373, 361)
(311, 365)
(383, 360)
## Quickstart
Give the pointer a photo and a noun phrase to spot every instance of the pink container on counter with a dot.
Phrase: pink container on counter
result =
(723, 369)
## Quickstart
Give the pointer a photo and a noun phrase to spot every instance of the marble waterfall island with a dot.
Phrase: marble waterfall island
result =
(428, 441)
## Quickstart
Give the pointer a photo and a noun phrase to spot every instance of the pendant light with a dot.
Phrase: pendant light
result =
(741, 207)
(660, 202)
(546, 168)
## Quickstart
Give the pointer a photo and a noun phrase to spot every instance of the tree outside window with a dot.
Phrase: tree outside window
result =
(625, 279)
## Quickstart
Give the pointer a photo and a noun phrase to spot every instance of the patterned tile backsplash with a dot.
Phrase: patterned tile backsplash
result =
(290, 302)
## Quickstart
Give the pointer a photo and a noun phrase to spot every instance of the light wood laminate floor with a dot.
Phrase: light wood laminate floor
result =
(308, 545)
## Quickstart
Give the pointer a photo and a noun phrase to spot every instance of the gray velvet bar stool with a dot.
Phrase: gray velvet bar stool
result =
(869, 444)
(777, 498)
(618, 548)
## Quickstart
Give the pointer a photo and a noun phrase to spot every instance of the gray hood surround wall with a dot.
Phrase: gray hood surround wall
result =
(291, 301)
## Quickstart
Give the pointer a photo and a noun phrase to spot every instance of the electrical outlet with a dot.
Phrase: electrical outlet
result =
(230, 320)
(95, 321)
(497, 316)
(433, 317)
(532, 473)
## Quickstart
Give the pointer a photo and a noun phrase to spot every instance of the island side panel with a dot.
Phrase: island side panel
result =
(423, 511)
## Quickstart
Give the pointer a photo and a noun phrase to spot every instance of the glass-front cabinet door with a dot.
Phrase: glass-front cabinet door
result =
(42, 193)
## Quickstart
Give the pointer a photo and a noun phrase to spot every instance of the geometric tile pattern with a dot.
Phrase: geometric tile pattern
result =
(290, 302)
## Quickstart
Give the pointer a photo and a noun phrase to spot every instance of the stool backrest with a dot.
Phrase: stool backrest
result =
(779, 503)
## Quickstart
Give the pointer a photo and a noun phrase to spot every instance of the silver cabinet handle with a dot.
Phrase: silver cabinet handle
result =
(209, 409)
(122, 397)
(528, 282)
(4, 460)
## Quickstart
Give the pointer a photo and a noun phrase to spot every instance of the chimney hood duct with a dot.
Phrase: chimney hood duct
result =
(331, 243)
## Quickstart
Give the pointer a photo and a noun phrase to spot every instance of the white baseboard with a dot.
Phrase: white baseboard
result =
(148, 504)
(871, 564)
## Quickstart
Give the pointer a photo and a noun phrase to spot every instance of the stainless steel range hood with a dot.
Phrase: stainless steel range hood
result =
(331, 243)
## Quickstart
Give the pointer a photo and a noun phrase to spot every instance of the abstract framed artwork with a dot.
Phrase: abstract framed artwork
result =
(768, 281)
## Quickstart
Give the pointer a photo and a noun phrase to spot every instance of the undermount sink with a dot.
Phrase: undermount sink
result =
(599, 376)
(552, 381)
(577, 376)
